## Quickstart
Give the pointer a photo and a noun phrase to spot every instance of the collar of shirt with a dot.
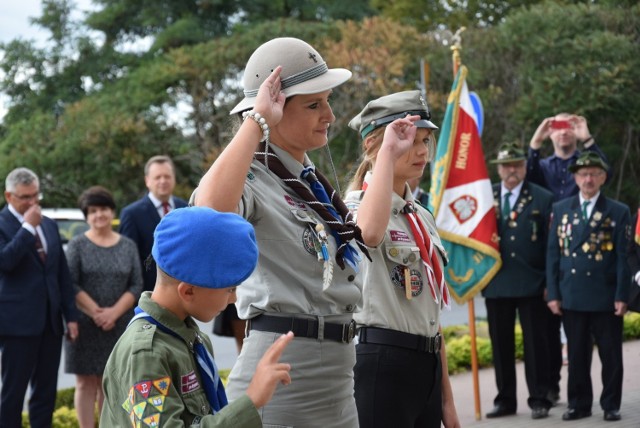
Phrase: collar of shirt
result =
(158, 203)
(592, 203)
(515, 192)
(294, 167)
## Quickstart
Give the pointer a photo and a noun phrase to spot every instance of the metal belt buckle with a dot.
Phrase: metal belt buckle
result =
(436, 343)
(348, 331)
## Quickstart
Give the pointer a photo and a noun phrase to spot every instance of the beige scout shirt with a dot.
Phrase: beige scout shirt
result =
(288, 278)
(385, 304)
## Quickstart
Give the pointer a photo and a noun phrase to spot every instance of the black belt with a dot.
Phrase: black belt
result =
(303, 327)
(383, 336)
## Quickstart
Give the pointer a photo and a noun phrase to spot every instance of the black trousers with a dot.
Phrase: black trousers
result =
(501, 315)
(582, 329)
(396, 387)
(554, 342)
(29, 360)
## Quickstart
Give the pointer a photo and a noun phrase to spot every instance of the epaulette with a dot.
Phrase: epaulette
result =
(141, 335)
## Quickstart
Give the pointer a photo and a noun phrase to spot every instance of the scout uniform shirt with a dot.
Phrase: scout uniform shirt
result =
(289, 276)
(587, 259)
(151, 379)
(385, 302)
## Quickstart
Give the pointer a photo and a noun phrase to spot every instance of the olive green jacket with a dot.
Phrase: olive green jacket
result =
(151, 379)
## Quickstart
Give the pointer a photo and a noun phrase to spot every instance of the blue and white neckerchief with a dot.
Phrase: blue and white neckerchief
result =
(213, 387)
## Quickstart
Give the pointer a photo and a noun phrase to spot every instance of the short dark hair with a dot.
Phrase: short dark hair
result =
(95, 196)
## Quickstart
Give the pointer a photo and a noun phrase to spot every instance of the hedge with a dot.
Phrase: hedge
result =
(458, 343)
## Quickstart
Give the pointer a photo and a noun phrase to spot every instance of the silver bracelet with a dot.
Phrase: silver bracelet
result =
(262, 123)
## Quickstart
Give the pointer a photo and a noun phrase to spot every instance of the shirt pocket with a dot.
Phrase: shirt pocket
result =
(197, 406)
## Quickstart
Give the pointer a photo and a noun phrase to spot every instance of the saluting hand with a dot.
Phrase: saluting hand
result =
(399, 135)
(270, 99)
(269, 372)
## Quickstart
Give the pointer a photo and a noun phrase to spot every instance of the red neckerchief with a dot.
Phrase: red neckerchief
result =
(428, 254)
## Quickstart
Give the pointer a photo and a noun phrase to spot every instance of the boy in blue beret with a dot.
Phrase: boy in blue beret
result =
(161, 371)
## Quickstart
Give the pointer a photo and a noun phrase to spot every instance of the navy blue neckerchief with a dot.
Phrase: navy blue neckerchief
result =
(213, 387)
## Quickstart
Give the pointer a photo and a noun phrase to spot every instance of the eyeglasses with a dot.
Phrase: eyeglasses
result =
(589, 174)
(37, 196)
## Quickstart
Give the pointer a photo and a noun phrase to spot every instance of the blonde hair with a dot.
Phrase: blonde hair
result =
(370, 153)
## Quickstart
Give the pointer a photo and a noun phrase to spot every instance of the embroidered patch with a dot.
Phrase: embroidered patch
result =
(134, 421)
(293, 203)
(138, 409)
(399, 236)
(189, 382)
(162, 385)
(152, 420)
(143, 388)
(157, 401)
(397, 277)
(129, 401)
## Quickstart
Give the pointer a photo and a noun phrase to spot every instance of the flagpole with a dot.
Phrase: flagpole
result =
(456, 48)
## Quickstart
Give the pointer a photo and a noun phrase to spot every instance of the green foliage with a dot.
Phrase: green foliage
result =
(631, 326)
(64, 398)
(458, 343)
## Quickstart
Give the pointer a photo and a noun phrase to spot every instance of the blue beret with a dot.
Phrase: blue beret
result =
(204, 247)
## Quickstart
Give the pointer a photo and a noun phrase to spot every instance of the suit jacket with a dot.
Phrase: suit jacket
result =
(587, 260)
(523, 240)
(138, 221)
(633, 250)
(27, 285)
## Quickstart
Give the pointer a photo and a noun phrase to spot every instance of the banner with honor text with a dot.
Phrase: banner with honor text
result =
(461, 198)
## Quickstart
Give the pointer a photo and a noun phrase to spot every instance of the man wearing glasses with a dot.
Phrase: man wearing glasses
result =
(566, 132)
(35, 296)
(588, 285)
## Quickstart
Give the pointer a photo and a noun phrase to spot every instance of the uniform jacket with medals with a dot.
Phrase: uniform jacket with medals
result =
(523, 241)
(587, 266)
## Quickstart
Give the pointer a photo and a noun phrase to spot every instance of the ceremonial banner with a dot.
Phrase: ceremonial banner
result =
(461, 198)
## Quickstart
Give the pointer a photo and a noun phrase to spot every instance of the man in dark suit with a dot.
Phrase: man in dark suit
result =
(35, 295)
(523, 213)
(588, 284)
(139, 219)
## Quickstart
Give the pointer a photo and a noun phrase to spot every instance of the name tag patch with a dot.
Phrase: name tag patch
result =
(189, 382)
(399, 236)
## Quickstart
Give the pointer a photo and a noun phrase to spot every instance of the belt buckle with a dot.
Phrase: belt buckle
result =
(348, 331)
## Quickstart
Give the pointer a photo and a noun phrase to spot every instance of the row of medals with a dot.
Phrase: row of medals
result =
(598, 242)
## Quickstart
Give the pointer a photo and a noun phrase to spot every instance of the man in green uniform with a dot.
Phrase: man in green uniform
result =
(519, 285)
(588, 284)
(161, 372)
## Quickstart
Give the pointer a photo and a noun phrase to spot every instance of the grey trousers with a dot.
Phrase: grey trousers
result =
(321, 390)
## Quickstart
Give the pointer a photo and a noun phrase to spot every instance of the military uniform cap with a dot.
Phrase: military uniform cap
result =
(384, 110)
(509, 152)
(204, 247)
(303, 70)
(586, 159)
